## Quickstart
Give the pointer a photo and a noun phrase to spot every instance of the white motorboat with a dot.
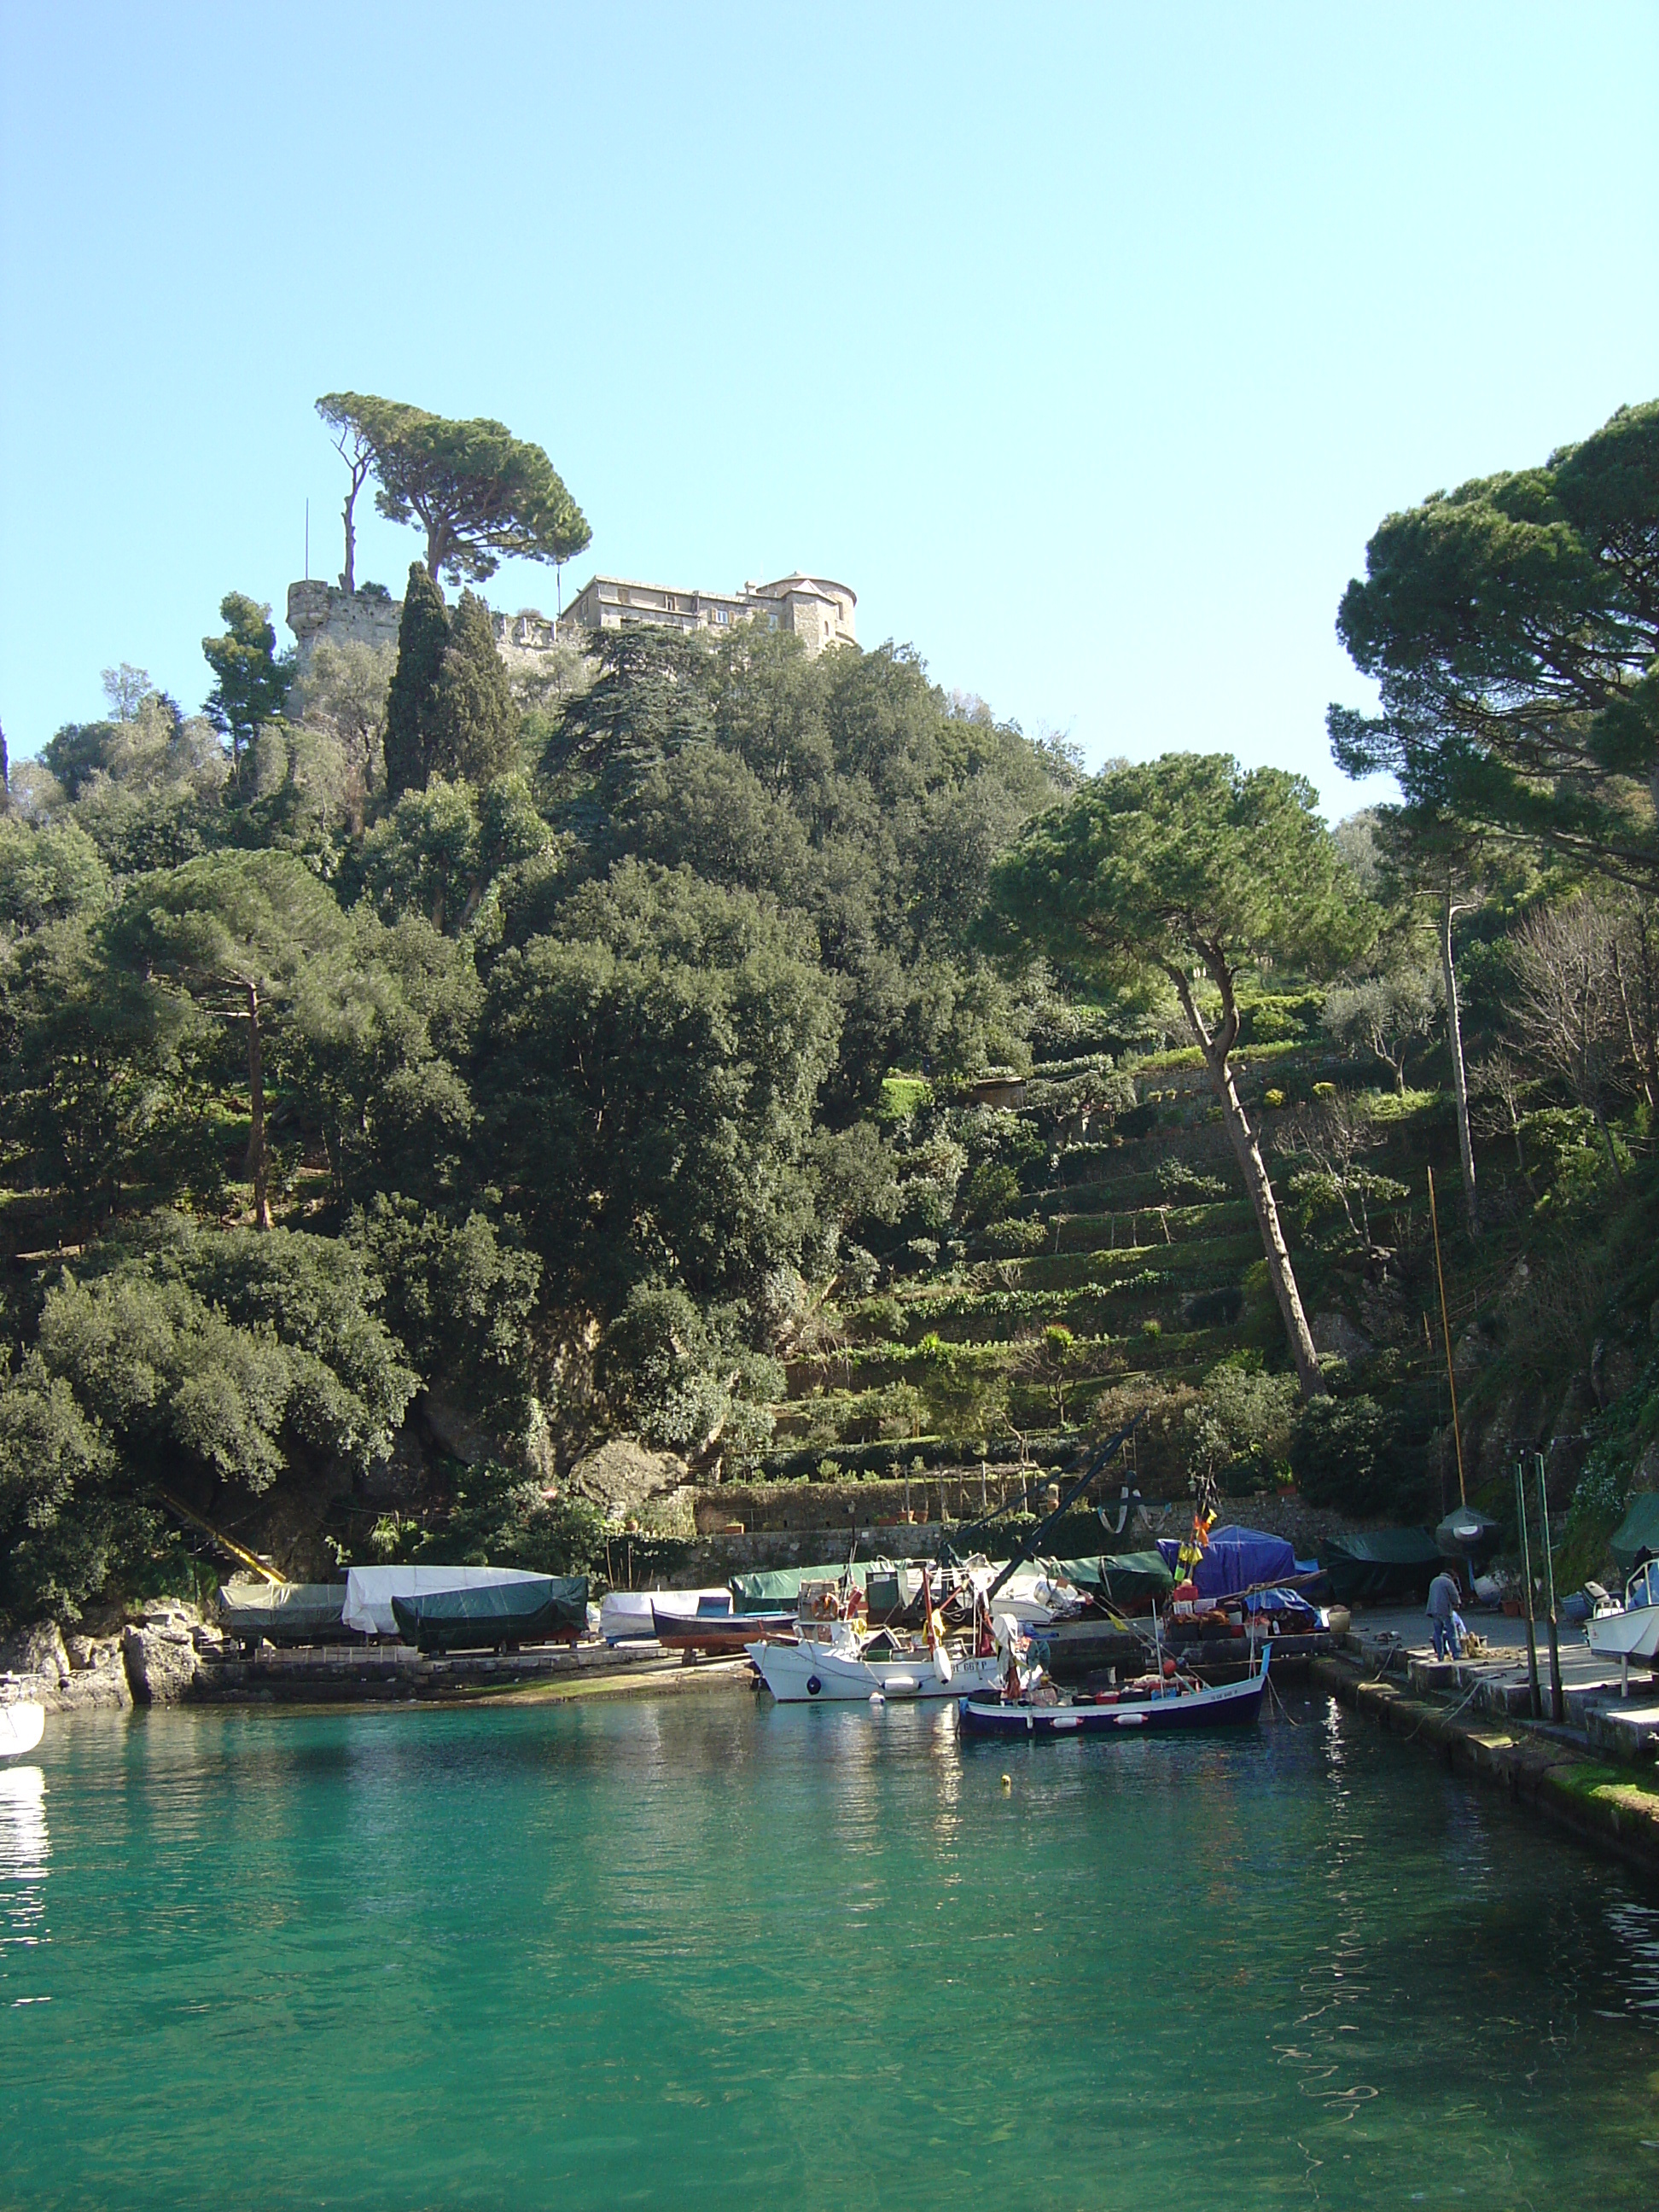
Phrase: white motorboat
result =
(841, 1664)
(22, 1719)
(1631, 1630)
(1034, 1595)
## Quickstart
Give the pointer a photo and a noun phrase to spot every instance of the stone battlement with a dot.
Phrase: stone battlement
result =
(818, 612)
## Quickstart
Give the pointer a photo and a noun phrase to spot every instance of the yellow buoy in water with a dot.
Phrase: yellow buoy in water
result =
(1006, 1784)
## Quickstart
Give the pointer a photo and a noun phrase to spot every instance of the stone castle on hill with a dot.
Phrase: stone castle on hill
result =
(811, 608)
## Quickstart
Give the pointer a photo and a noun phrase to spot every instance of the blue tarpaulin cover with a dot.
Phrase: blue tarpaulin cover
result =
(1234, 1559)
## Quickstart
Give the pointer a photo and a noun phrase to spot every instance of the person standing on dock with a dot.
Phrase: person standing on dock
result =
(1443, 1597)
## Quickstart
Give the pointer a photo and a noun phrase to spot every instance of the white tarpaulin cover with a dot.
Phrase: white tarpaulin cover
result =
(370, 1590)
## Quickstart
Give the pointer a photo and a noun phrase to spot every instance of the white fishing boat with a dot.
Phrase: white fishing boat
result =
(22, 1719)
(1631, 1630)
(843, 1664)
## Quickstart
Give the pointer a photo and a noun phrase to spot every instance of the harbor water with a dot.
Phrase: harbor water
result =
(698, 1951)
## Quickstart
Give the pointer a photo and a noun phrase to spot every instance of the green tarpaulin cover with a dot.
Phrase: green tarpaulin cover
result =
(291, 1612)
(501, 1612)
(1124, 1577)
(1639, 1527)
(773, 1589)
(1377, 1565)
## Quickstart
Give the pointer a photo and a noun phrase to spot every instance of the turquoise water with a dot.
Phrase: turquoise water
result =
(702, 1951)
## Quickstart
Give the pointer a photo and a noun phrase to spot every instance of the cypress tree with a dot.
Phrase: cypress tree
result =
(411, 703)
(477, 722)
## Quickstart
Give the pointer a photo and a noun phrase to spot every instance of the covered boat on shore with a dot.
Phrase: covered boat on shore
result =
(777, 1589)
(537, 1609)
(284, 1613)
(1380, 1567)
(370, 1591)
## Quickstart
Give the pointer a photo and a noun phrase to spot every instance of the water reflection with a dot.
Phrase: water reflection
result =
(25, 1848)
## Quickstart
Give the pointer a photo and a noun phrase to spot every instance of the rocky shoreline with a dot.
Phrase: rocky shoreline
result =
(153, 1658)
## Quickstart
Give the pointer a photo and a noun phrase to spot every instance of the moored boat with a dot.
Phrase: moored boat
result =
(1631, 1630)
(22, 1719)
(1167, 1708)
(844, 1665)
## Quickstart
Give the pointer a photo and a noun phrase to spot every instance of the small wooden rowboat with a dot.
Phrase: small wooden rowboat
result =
(1229, 1705)
(716, 1631)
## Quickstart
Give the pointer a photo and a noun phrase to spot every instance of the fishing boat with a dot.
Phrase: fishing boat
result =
(496, 1616)
(23, 1718)
(1631, 1630)
(711, 1628)
(1160, 1704)
(842, 1663)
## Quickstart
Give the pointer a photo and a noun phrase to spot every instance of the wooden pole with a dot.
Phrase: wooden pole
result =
(1445, 1327)
(1526, 1570)
(1558, 1697)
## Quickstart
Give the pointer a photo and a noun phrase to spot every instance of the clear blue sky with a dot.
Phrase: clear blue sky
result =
(1087, 344)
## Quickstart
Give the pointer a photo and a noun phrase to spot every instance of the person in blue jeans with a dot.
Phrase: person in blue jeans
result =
(1443, 1597)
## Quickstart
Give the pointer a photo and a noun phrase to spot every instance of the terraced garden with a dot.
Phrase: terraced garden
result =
(1126, 1266)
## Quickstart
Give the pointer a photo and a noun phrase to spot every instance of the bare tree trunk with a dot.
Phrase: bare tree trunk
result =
(1636, 1061)
(1217, 1050)
(349, 573)
(1460, 1074)
(257, 1164)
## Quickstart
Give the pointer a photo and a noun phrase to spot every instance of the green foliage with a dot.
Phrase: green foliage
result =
(1349, 1453)
(249, 685)
(1186, 858)
(1511, 628)
(654, 1068)
(461, 1301)
(100, 1077)
(476, 722)
(500, 1519)
(1240, 1429)
(66, 1529)
(901, 1096)
(228, 1353)
(413, 719)
(991, 1190)
(50, 874)
(480, 493)
(686, 1383)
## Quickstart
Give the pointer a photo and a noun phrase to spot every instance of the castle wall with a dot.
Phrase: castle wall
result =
(316, 611)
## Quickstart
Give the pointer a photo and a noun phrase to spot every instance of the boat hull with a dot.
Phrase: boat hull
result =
(21, 1727)
(814, 1673)
(1235, 1704)
(1633, 1635)
(716, 1631)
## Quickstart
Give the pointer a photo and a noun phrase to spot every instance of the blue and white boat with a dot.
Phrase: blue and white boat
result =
(1170, 1707)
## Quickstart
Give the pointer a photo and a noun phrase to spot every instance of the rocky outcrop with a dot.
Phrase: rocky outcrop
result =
(632, 1483)
(1335, 1333)
(160, 1653)
(73, 1675)
(38, 1650)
